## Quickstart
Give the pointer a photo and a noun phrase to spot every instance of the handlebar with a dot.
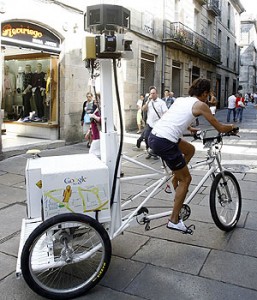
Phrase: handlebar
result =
(217, 137)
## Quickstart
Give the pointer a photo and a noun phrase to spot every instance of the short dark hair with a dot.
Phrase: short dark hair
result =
(152, 87)
(167, 90)
(199, 86)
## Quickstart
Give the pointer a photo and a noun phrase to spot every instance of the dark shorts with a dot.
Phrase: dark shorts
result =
(168, 151)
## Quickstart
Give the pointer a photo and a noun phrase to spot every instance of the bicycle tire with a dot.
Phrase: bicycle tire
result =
(65, 256)
(225, 212)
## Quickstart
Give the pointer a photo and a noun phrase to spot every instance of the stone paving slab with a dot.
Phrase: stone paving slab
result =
(14, 165)
(11, 218)
(162, 283)
(11, 245)
(8, 263)
(16, 289)
(121, 272)
(243, 242)
(205, 235)
(251, 221)
(11, 179)
(10, 195)
(231, 268)
(12, 288)
(122, 246)
(176, 256)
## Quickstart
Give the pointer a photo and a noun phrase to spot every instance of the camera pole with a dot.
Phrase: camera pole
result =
(109, 138)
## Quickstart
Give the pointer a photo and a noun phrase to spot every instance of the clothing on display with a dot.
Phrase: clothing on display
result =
(27, 94)
(27, 87)
(9, 84)
(38, 89)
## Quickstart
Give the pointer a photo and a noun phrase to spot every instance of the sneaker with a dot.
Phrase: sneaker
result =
(180, 226)
(148, 156)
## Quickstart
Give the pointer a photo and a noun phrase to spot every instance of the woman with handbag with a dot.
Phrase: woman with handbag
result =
(240, 105)
(88, 108)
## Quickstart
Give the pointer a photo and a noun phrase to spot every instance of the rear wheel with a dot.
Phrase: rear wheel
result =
(65, 256)
(225, 201)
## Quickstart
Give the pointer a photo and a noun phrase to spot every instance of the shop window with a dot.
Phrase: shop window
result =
(30, 89)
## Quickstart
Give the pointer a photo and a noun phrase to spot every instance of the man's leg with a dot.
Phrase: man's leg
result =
(234, 114)
(141, 138)
(228, 115)
(241, 114)
(147, 132)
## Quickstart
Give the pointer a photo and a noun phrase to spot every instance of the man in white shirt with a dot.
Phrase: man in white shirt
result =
(155, 108)
(231, 108)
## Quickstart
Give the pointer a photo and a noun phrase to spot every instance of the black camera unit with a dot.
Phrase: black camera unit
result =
(105, 17)
(108, 23)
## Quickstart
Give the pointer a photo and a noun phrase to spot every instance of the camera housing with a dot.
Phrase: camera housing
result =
(107, 25)
(105, 17)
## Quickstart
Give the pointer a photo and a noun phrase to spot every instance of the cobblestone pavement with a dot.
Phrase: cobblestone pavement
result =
(159, 263)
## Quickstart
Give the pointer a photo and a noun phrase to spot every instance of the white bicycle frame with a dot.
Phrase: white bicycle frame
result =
(213, 161)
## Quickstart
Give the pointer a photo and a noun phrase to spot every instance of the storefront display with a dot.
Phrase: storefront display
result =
(30, 79)
(29, 90)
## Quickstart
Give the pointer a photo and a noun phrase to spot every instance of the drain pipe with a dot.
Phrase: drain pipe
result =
(163, 57)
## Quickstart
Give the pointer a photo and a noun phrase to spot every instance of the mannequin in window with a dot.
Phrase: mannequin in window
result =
(8, 90)
(38, 89)
(48, 92)
(27, 93)
(20, 81)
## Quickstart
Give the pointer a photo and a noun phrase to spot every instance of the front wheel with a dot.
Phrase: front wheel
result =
(65, 256)
(225, 201)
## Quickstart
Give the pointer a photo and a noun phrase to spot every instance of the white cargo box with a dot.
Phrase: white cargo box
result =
(70, 183)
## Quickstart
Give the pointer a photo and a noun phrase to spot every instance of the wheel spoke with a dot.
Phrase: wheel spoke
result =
(225, 201)
(66, 257)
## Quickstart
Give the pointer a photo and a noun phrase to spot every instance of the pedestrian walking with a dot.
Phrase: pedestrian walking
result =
(240, 105)
(139, 113)
(169, 100)
(231, 107)
(155, 108)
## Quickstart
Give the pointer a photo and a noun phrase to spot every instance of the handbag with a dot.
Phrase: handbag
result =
(86, 119)
(241, 103)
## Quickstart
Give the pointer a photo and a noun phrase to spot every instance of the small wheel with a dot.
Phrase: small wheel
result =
(65, 256)
(225, 201)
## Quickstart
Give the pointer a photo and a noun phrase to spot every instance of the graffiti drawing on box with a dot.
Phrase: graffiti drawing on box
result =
(75, 199)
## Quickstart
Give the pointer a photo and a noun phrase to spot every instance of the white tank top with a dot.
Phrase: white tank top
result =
(176, 120)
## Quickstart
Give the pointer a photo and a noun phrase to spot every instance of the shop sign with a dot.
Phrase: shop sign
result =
(28, 34)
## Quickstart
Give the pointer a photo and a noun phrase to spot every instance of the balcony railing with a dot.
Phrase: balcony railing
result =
(181, 36)
(213, 7)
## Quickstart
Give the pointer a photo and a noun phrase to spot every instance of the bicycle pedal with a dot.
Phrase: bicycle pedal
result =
(189, 230)
(168, 189)
(147, 226)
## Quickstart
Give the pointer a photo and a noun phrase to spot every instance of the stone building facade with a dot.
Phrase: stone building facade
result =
(174, 42)
(248, 54)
